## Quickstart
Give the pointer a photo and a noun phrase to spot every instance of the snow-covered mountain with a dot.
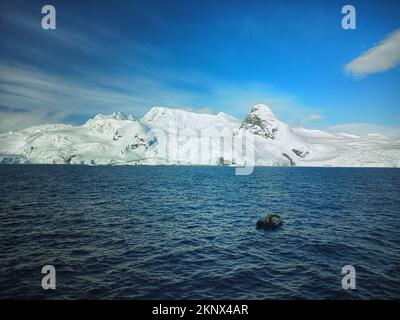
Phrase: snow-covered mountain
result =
(173, 136)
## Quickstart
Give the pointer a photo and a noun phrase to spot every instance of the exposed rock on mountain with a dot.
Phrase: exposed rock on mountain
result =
(261, 121)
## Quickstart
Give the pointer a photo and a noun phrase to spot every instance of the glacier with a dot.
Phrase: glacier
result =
(168, 136)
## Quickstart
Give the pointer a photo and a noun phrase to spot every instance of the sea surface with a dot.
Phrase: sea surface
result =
(189, 232)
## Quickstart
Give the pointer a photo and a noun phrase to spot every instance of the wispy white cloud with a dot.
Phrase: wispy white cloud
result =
(50, 98)
(76, 46)
(382, 57)
(20, 119)
(363, 129)
(315, 117)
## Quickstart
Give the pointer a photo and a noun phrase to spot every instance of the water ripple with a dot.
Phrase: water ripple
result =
(189, 232)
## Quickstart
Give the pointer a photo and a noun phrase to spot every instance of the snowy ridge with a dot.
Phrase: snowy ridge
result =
(172, 136)
(161, 117)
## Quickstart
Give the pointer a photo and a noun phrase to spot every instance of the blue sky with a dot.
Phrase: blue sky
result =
(208, 56)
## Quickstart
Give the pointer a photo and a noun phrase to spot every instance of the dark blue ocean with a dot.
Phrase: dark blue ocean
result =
(189, 232)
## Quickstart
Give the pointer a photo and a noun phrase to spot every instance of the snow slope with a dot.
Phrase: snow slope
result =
(173, 136)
